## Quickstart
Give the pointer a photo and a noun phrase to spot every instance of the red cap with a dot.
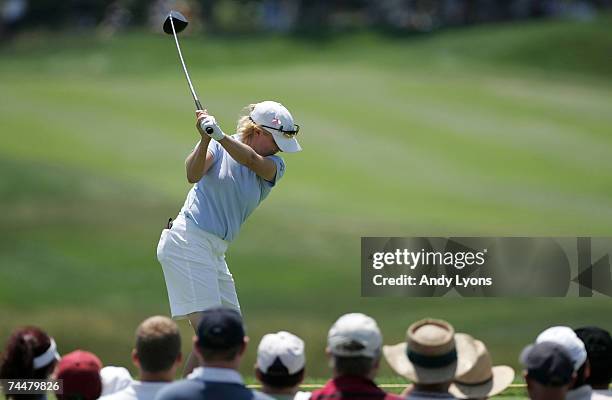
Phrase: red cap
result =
(80, 371)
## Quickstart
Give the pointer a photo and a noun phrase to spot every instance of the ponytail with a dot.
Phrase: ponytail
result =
(17, 361)
(246, 127)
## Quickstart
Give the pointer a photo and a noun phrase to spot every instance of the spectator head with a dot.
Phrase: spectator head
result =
(280, 361)
(549, 370)
(221, 338)
(567, 338)
(158, 346)
(114, 379)
(483, 380)
(29, 354)
(80, 372)
(598, 344)
(432, 354)
(354, 344)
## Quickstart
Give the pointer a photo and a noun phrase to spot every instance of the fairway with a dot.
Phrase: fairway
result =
(501, 130)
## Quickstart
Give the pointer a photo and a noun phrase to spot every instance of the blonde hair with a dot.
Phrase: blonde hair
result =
(246, 127)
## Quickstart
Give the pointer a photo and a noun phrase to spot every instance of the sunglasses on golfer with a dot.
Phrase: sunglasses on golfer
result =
(288, 134)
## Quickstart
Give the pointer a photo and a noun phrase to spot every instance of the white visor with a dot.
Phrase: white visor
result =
(47, 357)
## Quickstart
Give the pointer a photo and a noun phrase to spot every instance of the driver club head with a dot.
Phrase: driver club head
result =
(179, 20)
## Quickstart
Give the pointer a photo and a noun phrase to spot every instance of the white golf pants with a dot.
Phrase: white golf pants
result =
(196, 274)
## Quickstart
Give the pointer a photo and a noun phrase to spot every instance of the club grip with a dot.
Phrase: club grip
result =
(199, 107)
(208, 129)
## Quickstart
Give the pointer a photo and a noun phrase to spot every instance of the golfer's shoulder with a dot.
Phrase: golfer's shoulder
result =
(278, 160)
(215, 148)
(185, 389)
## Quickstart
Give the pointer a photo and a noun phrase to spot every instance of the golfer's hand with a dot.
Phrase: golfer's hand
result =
(204, 122)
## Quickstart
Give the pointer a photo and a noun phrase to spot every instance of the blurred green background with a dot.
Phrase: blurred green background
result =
(488, 130)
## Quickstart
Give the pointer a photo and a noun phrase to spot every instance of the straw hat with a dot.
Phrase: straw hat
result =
(484, 379)
(432, 353)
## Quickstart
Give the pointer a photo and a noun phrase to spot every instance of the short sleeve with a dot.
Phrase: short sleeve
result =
(213, 147)
(280, 170)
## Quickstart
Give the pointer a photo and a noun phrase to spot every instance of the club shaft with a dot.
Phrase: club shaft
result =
(178, 47)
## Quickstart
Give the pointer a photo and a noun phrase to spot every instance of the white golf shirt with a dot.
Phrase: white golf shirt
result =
(138, 390)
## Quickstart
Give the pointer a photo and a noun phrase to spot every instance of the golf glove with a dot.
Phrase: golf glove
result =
(210, 122)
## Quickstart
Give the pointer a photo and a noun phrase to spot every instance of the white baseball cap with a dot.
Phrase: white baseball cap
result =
(277, 120)
(114, 379)
(567, 338)
(283, 346)
(354, 335)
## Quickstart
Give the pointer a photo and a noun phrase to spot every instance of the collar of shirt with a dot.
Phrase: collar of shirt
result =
(211, 374)
(583, 392)
(149, 383)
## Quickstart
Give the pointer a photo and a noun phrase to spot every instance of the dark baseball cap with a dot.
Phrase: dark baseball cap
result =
(548, 363)
(220, 328)
(598, 345)
(597, 341)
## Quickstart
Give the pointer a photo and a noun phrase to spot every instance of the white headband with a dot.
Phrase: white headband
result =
(49, 355)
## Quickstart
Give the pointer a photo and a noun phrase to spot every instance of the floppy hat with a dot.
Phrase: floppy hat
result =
(566, 337)
(484, 379)
(354, 335)
(432, 353)
(277, 120)
(548, 363)
(282, 347)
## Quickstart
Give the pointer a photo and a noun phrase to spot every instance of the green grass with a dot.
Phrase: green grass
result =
(397, 385)
(515, 392)
(495, 130)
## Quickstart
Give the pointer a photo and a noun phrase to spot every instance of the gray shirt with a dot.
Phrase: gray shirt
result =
(419, 395)
(211, 384)
(606, 393)
(584, 392)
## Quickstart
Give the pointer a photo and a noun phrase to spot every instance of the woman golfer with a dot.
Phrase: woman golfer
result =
(232, 175)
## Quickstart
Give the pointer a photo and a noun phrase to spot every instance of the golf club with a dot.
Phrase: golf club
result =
(176, 22)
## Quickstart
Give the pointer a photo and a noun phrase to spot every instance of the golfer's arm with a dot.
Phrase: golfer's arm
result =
(199, 161)
(245, 155)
